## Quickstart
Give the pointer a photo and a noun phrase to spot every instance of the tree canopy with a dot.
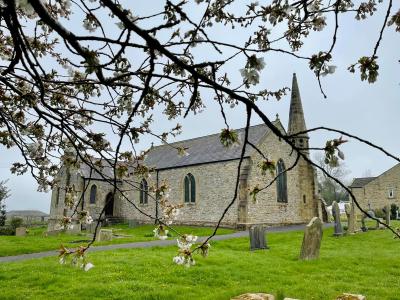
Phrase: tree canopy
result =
(80, 80)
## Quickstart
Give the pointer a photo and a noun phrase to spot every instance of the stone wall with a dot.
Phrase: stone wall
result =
(215, 186)
(375, 194)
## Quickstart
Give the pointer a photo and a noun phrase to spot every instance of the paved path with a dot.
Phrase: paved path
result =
(157, 243)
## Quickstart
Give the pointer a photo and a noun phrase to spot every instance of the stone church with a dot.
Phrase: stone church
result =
(204, 181)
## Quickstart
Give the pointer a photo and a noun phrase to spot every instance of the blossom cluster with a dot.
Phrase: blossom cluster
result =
(185, 254)
(250, 72)
(160, 232)
(78, 258)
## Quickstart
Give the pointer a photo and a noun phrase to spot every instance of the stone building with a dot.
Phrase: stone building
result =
(377, 192)
(204, 181)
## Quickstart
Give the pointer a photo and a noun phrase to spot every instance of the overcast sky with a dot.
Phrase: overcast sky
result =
(370, 111)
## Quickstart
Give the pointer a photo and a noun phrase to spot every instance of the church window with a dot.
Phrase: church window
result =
(304, 198)
(144, 192)
(391, 193)
(93, 192)
(281, 182)
(190, 189)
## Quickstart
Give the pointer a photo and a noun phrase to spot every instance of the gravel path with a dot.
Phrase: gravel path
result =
(156, 243)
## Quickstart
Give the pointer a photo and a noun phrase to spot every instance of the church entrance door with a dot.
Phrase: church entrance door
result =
(109, 205)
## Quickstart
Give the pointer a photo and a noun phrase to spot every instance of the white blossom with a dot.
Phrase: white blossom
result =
(191, 238)
(88, 266)
(62, 260)
(179, 260)
(250, 76)
(328, 70)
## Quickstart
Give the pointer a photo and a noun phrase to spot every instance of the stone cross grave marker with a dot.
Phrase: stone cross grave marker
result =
(257, 237)
(336, 215)
(311, 240)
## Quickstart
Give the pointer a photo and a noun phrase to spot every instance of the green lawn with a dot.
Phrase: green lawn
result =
(36, 241)
(366, 263)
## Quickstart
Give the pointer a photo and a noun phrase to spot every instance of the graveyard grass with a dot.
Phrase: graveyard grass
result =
(36, 241)
(365, 263)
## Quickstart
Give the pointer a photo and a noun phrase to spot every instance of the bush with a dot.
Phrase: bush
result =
(379, 213)
(16, 222)
(393, 211)
(7, 230)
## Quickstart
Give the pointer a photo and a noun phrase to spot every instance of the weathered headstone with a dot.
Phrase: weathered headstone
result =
(52, 232)
(257, 238)
(346, 296)
(336, 215)
(349, 208)
(254, 296)
(104, 235)
(92, 227)
(74, 229)
(364, 227)
(20, 231)
(387, 214)
(132, 223)
(311, 240)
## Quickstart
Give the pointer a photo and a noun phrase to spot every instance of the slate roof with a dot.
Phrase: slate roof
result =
(205, 149)
(360, 182)
(107, 171)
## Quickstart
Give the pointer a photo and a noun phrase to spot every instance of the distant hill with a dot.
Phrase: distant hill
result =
(25, 213)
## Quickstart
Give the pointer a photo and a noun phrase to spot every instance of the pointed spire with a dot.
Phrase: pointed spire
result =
(296, 115)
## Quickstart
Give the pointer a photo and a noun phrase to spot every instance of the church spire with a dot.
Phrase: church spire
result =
(296, 117)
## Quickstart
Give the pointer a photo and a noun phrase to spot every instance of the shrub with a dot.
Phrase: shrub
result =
(393, 211)
(7, 230)
(379, 213)
(16, 222)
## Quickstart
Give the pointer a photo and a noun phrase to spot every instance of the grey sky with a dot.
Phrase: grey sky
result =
(367, 110)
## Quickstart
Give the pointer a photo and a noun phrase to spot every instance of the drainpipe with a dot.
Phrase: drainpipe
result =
(156, 220)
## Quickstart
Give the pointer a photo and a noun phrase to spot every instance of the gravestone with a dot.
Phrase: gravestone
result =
(75, 229)
(254, 296)
(132, 223)
(346, 296)
(350, 218)
(311, 240)
(92, 227)
(365, 217)
(20, 231)
(387, 214)
(53, 232)
(257, 237)
(104, 235)
(336, 215)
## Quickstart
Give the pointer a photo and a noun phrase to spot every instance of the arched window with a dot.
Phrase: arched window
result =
(93, 192)
(281, 182)
(190, 189)
(144, 190)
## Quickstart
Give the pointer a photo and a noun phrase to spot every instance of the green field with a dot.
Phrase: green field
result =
(36, 241)
(366, 263)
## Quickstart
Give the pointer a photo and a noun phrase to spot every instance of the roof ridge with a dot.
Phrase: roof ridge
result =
(208, 135)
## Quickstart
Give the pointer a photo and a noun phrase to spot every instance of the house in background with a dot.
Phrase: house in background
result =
(377, 192)
(29, 216)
